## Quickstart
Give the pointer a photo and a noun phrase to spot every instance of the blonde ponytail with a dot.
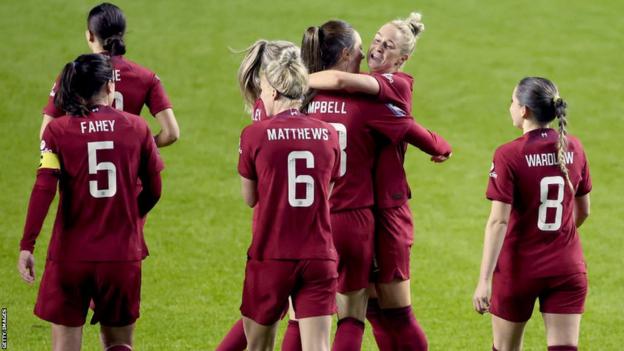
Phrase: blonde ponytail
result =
(287, 74)
(410, 28)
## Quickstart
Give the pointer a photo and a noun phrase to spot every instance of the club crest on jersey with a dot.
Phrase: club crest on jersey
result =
(44, 147)
(389, 77)
(493, 172)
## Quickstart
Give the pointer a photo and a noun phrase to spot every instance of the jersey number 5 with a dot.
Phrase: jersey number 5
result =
(294, 179)
(94, 167)
(547, 203)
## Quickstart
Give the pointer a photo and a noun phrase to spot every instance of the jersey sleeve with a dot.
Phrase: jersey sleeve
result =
(387, 119)
(151, 162)
(157, 99)
(50, 109)
(246, 165)
(394, 89)
(501, 183)
(49, 160)
(585, 185)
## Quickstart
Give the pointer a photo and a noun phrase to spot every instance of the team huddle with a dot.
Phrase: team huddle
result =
(321, 165)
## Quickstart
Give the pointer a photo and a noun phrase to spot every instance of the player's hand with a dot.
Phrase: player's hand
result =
(26, 266)
(482, 295)
(440, 158)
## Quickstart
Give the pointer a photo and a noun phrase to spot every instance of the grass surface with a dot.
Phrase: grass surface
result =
(465, 67)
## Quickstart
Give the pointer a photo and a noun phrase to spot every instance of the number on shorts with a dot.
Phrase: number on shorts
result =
(294, 179)
(547, 203)
(118, 101)
(94, 167)
(342, 140)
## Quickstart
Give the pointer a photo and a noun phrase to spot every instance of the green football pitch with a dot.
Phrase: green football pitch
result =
(465, 67)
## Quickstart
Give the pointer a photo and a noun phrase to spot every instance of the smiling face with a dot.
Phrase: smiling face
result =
(384, 54)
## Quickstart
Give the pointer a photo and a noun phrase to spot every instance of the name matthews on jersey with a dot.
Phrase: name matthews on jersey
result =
(547, 159)
(297, 134)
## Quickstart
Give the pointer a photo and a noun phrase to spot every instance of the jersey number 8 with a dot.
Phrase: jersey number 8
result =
(547, 203)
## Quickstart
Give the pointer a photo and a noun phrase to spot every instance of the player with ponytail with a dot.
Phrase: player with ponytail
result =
(539, 187)
(135, 85)
(96, 155)
(365, 125)
(288, 163)
(389, 308)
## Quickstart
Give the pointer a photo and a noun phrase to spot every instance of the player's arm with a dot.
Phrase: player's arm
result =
(495, 230)
(581, 209)
(339, 80)
(44, 123)
(41, 197)
(150, 193)
(249, 190)
(428, 141)
(169, 129)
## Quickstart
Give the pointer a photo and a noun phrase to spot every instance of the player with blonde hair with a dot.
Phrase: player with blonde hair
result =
(394, 324)
(288, 163)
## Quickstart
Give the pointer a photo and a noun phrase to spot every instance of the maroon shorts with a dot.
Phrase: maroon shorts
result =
(353, 232)
(67, 288)
(394, 236)
(513, 298)
(311, 284)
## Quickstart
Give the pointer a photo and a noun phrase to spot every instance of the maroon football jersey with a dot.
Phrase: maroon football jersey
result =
(542, 239)
(391, 186)
(258, 113)
(293, 158)
(101, 157)
(135, 86)
(359, 122)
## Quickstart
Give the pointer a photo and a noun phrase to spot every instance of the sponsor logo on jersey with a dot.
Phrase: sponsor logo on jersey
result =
(396, 111)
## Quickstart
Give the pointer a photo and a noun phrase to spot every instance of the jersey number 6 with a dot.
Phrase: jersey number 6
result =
(94, 167)
(294, 179)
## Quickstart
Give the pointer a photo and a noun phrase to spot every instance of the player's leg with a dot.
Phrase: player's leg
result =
(267, 285)
(292, 336)
(562, 331)
(259, 337)
(315, 333)
(235, 339)
(353, 237)
(314, 302)
(117, 338)
(507, 335)
(117, 299)
(393, 242)
(511, 306)
(383, 336)
(66, 338)
(63, 300)
(561, 304)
